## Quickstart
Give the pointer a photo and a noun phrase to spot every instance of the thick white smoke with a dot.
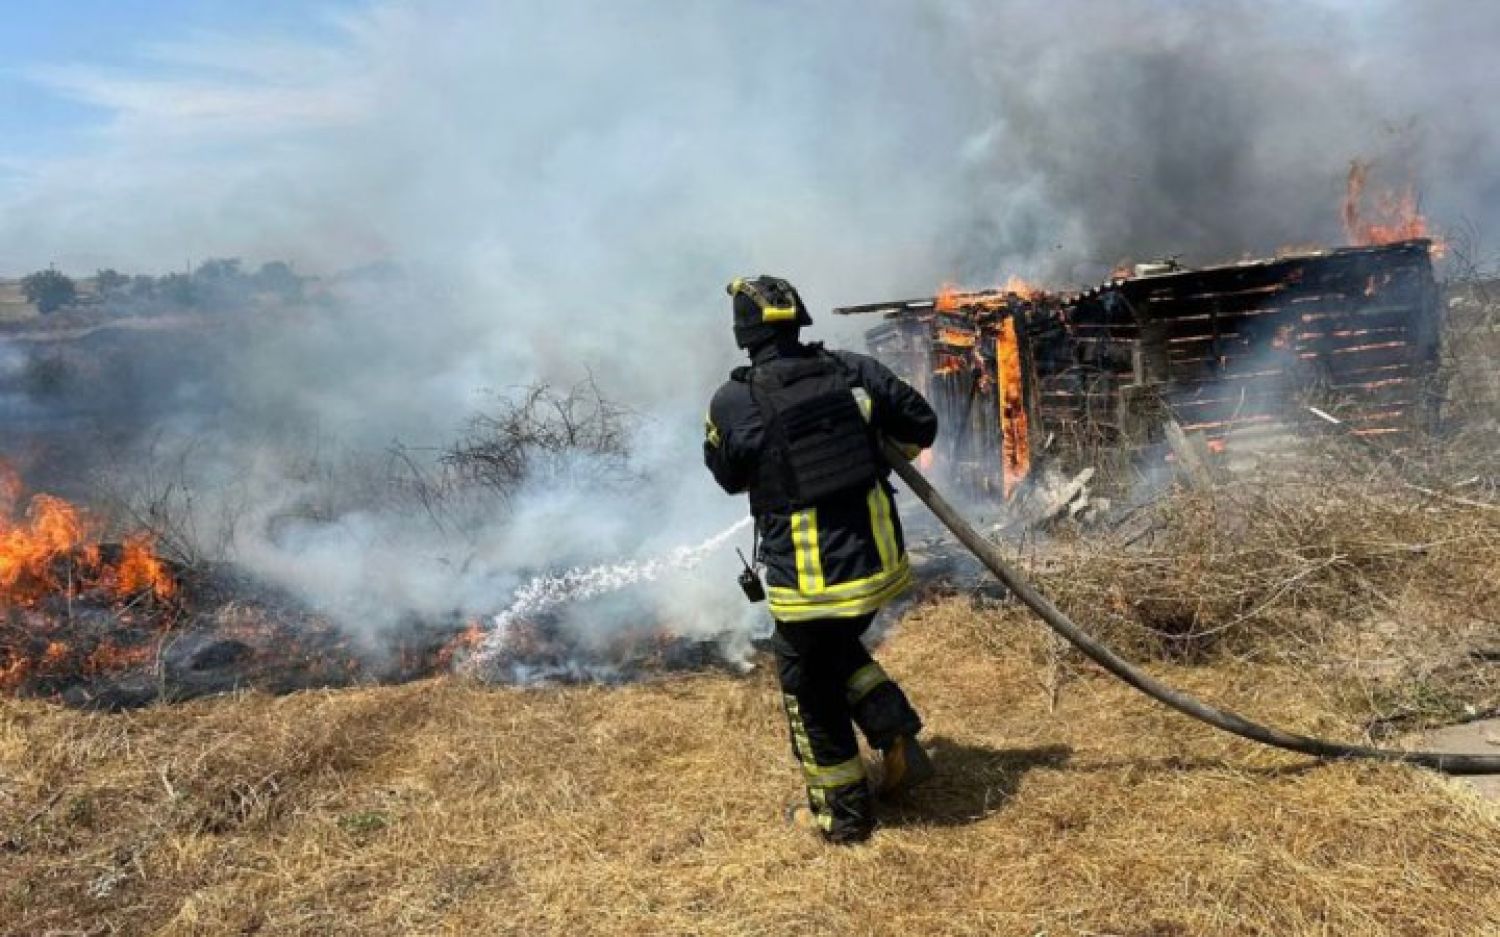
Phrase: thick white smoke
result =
(566, 186)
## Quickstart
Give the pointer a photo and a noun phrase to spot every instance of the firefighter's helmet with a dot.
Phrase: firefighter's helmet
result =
(765, 307)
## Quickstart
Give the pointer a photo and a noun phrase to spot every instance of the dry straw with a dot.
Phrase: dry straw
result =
(444, 807)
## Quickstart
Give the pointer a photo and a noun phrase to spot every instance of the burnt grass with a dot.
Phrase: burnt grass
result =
(224, 631)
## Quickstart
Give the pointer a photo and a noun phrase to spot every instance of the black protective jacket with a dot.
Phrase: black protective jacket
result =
(843, 556)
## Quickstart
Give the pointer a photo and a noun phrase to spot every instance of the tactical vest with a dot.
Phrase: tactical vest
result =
(817, 441)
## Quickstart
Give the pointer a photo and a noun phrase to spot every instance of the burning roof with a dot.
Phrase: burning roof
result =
(1236, 352)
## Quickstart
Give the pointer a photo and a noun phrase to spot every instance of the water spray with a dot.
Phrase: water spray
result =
(543, 593)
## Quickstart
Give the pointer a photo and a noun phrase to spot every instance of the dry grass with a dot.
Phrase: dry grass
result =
(446, 808)
(13, 304)
(1331, 565)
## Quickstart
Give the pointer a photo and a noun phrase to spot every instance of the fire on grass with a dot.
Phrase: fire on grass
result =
(112, 625)
(54, 570)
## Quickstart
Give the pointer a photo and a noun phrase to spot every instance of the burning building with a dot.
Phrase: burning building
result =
(1236, 353)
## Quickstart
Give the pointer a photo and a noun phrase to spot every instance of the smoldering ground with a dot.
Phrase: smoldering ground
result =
(565, 188)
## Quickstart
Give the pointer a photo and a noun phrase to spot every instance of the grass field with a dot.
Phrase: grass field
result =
(447, 808)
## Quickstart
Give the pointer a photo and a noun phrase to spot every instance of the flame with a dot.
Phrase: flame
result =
(1015, 438)
(957, 338)
(947, 298)
(140, 569)
(53, 549)
(952, 298)
(1395, 216)
(948, 364)
(461, 644)
(1015, 286)
(50, 529)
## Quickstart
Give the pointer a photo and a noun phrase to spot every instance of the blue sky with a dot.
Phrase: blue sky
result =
(37, 120)
(40, 120)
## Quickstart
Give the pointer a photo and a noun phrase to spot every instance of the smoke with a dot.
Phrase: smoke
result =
(1142, 129)
(565, 187)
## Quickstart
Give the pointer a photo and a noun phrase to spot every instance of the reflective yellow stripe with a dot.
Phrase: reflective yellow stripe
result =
(881, 527)
(853, 589)
(805, 610)
(862, 397)
(800, 742)
(802, 745)
(864, 680)
(825, 776)
(840, 775)
(821, 809)
(805, 545)
(778, 313)
(819, 778)
(799, 549)
(711, 431)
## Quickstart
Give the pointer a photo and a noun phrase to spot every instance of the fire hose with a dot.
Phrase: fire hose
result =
(1102, 655)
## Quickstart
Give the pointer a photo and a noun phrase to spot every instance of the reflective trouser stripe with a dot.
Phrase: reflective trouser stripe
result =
(874, 592)
(881, 527)
(805, 545)
(864, 680)
(840, 775)
(819, 778)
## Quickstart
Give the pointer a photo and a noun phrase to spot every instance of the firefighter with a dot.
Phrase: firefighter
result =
(798, 430)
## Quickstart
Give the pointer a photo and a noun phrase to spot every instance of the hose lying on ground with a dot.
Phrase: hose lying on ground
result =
(1117, 665)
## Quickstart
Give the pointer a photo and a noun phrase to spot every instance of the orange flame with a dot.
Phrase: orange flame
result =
(951, 298)
(1395, 215)
(1015, 437)
(140, 569)
(1019, 288)
(53, 548)
(947, 297)
(460, 644)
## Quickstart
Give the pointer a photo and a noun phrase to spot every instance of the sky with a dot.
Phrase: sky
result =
(37, 122)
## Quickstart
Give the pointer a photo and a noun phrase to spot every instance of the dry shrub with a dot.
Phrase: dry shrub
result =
(1360, 576)
(544, 435)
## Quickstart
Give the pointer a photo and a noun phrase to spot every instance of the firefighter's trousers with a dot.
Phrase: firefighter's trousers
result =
(830, 684)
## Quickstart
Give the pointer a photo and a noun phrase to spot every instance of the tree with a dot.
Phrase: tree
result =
(217, 270)
(49, 290)
(142, 287)
(110, 281)
(277, 277)
(177, 289)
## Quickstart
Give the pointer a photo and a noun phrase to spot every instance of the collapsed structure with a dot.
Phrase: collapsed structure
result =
(1237, 353)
